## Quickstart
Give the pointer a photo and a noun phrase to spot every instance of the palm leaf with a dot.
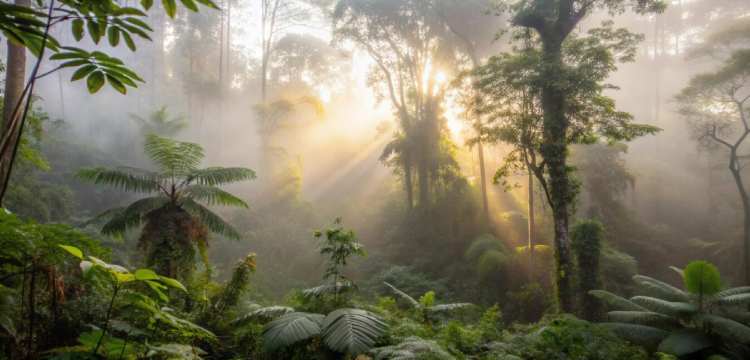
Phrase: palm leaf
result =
(412, 348)
(132, 215)
(642, 318)
(291, 328)
(733, 291)
(127, 179)
(214, 223)
(213, 196)
(215, 176)
(352, 331)
(265, 313)
(173, 157)
(734, 300)
(616, 301)
(727, 327)
(443, 308)
(414, 303)
(661, 289)
(684, 343)
(665, 307)
(638, 334)
(320, 290)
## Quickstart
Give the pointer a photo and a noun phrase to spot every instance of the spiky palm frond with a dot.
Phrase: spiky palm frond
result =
(642, 318)
(352, 331)
(214, 223)
(124, 178)
(173, 157)
(444, 308)
(661, 289)
(325, 289)
(265, 313)
(684, 343)
(734, 300)
(671, 308)
(726, 327)
(132, 216)
(413, 302)
(733, 291)
(211, 195)
(616, 301)
(291, 328)
(638, 334)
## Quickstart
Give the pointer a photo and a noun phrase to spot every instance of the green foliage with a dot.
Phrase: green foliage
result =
(702, 321)
(175, 219)
(425, 307)
(586, 241)
(160, 123)
(413, 348)
(338, 245)
(702, 278)
(565, 338)
(348, 331)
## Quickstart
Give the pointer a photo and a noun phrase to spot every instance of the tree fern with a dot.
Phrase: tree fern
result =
(726, 327)
(413, 302)
(672, 308)
(660, 288)
(684, 343)
(178, 187)
(263, 314)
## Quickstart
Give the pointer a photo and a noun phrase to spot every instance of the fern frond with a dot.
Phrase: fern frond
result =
(127, 179)
(214, 223)
(642, 318)
(665, 307)
(616, 301)
(661, 289)
(352, 331)
(291, 328)
(638, 334)
(132, 216)
(414, 303)
(213, 196)
(215, 176)
(173, 157)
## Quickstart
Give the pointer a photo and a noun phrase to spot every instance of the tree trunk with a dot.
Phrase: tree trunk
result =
(483, 179)
(15, 79)
(737, 176)
(554, 151)
(408, 184)
(532, 224)
(424, 182)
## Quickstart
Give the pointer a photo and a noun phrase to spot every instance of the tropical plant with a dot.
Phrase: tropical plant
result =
(412, 348)
(348, 331)
(703, 319)
(339, 245)
(425, 307)
(128, 302)
(175, 220)
(159, 122)
(32, 27)
(587, 243)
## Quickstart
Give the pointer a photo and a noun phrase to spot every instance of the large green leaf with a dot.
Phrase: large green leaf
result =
(291, 328)
(413, 302)
(133, 215)
(616, 301)
(352, 331)
(684, 343)
(638, 334)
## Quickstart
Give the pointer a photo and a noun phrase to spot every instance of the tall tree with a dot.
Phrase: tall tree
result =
(413, 52)
(717, 105)
(562, 77)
